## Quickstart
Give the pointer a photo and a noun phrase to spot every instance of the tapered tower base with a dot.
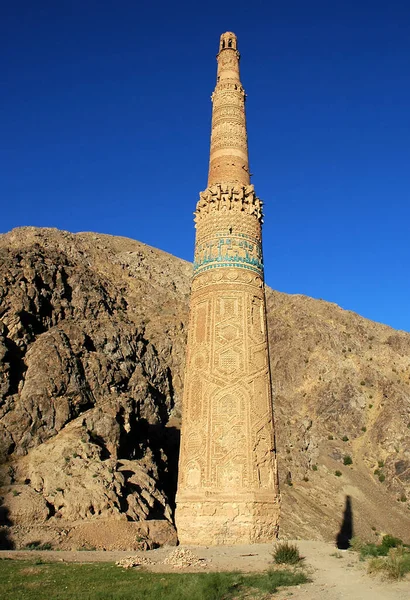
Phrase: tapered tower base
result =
(228, 522)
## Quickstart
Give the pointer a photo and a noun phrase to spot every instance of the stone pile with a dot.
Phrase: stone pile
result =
(181, 558)
(133, 561)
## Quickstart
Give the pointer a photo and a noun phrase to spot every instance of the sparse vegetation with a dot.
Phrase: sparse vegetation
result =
(395, 565)
(285, 553)
(38, 580)
(37, 545)
(366, 549)
(347, 460)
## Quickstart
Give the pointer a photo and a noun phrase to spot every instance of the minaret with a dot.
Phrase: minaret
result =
(227, 482)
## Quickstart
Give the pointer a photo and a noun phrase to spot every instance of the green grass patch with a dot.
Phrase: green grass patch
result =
(33, 580)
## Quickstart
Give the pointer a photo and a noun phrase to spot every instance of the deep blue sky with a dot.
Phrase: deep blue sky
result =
(105, 125)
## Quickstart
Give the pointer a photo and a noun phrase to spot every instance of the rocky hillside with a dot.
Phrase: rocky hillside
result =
(92, 337)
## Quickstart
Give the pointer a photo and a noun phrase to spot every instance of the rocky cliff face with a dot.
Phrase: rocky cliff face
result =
(92, 338)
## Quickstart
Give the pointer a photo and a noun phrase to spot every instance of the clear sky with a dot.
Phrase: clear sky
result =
(105, 124)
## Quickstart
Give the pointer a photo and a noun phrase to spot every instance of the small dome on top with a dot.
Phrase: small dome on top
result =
(228, 40)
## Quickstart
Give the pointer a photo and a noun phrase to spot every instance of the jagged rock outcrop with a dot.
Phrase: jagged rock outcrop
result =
(92, 340)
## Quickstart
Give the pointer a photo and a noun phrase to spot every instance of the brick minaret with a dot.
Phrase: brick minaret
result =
(227, 484)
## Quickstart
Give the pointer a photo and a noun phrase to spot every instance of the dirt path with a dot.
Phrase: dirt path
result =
(342, 578)
(333, 578)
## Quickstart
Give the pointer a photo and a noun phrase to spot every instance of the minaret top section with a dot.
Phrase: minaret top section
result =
(228, 162)
(228, 40)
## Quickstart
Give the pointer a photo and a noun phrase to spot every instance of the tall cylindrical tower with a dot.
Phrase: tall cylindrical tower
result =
(227, 482)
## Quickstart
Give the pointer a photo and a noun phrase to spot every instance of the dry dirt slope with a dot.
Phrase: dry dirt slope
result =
(92, 334)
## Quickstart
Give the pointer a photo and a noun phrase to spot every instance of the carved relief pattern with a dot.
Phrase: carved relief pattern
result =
(228, 59)
(227, 394)
(234, 198)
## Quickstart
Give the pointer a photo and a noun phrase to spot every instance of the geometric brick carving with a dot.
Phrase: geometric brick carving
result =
(227, 479)
(227, 332)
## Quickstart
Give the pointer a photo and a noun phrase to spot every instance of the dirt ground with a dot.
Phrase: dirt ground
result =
(335, 575)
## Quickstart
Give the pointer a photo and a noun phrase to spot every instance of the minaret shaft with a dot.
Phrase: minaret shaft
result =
(229, 144)
(227, 481)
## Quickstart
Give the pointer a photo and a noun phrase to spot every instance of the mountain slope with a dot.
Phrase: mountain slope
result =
(92, 338)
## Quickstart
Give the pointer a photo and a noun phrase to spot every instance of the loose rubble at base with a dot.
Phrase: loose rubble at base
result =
(181, 558)
(178, 558)
(133, 561)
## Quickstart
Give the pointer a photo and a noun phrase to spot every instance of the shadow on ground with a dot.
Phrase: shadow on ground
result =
(346, 530)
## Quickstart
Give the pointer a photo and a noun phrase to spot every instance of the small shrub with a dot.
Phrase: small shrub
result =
(382, 477)
(347, 460)
(345, 438)
(338, 473)
(38, 546)
(403, 498)
(306, 478)
(395, 565)
(362, 383)
(389, 541)
(380, 463)
(285, 553)
(364, 429)
(330, 437)
(314, 467)
(356, 544)
(16, 493)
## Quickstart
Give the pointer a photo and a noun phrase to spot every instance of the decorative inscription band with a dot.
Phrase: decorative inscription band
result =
(239, 251)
